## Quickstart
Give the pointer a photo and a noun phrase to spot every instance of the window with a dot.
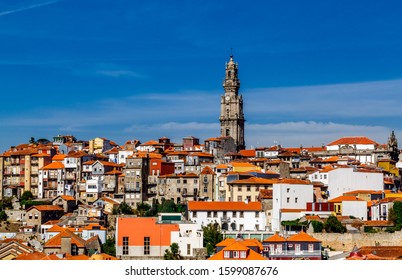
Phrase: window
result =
(257, 227)
(241, 214)
(287, 199)
(325, 176)
(205, 189)
(215, 214)
(236, 254)
(311, 248)
(209, 214)
(279, 248)
(226, 254)
(288, 190)
(248, 188)
(195, 214)
(125, 245)
(188, 249)
(234, 214)
(243, 254)
(239, 198)
(239, 189)
(257, 214)
(297, 248)
(147, 243)
(295, 199)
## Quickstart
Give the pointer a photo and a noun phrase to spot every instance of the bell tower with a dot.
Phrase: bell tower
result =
(232, 117)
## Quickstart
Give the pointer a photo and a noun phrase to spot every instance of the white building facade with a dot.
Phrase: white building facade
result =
(289, 197)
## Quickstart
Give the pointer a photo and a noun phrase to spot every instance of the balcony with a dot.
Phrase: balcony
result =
(129, 189)
(225, 219)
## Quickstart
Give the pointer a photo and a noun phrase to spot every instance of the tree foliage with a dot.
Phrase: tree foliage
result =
(212, 236)
(332, 224)
(3, 216)
(6, 203)
(317, 226)
(172, 253)
(26, 195)
(395, 216)
(142, 209)
(109, 247)
(124, 208)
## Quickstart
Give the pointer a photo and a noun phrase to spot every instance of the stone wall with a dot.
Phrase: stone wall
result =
(346, 241)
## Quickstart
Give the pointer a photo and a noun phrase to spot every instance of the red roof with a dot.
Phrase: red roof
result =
(353, 140)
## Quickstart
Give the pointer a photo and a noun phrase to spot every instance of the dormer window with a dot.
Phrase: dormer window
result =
(243, 254)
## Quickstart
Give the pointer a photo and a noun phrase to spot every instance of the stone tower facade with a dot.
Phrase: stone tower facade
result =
(232, 117)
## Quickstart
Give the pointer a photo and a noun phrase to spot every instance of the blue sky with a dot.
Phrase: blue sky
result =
(311, 71)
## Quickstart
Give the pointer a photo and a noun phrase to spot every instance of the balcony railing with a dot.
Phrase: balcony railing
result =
(129, 189)
(302, 253)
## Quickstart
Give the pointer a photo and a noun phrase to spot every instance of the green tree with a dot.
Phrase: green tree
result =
(6, 203)
(212, 236)
(397, 209)
(26, 195)
(332, 224)
(142, 209)
(109, 247)
(3, 216)
(172, 253)
(317, 226)
(124, 208)
(167, 206)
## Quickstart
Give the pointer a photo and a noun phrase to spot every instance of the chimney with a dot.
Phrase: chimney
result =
(66, 245)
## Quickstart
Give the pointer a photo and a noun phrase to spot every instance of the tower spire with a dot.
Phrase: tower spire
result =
(232, 117)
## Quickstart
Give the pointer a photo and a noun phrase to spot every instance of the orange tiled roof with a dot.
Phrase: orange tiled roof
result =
(247, 153)
(302, 236)
(207, 171)
(242, 164)
(53, 165)
(223, 206)
(275, 238)
(345, 198)
(67, 197)
(77, 258)
(31, 256)
(45, 208)
(55, 241)
(59, 157)
(237, 246)
(352, 140)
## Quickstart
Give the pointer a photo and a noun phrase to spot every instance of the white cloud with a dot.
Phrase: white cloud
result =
(33, 6)
(366, 99)
(119, 73)
(310, 133)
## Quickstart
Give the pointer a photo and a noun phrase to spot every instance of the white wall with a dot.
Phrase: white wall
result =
(188, 234)
(289, 196)
(342, 180)
(356, 209)
(249, 220)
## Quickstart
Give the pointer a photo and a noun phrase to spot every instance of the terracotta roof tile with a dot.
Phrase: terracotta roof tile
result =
(353, 140)
(345, 198)
(302, 236)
